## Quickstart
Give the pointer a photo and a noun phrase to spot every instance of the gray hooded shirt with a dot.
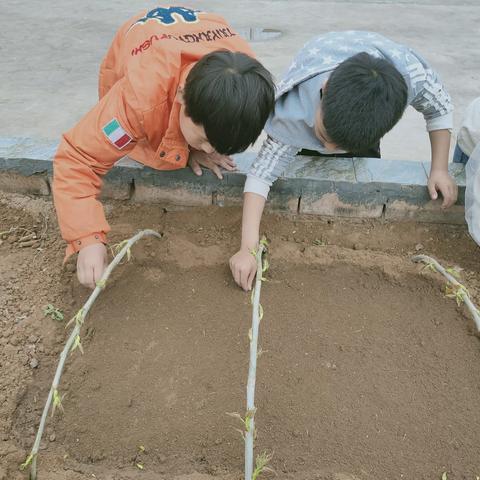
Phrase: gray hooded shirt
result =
(291, 125)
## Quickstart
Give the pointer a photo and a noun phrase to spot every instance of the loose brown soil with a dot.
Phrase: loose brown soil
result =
(367, 370)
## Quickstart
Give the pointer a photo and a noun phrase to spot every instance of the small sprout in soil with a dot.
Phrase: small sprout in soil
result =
(77, 344)
(27, 462)
(266, 265)
(141, 449)
(246, 421)
(444, 476)
(458, 292)
(319, 242)
(57, 402)
(54, 313)
(119, 246)
(139, 466)
(78, 319)
(430, 266)
(261, 465)
(453, 271)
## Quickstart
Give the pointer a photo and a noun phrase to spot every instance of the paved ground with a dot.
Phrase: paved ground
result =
(50, 52)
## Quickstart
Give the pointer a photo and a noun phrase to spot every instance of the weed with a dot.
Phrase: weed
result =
(261, 463)
(54, 313)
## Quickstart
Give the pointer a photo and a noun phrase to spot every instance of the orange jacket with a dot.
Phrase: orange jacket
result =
(137, 114)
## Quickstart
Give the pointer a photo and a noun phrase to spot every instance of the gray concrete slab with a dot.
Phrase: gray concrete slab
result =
(51, 51)
(389, 171)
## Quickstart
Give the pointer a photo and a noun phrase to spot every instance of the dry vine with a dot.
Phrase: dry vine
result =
(74, 342)
(454, 288)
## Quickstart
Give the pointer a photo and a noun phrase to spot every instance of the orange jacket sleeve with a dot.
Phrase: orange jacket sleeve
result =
(86, 153)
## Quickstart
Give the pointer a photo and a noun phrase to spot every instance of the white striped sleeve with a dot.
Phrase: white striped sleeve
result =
(271, 162)
(431, 98)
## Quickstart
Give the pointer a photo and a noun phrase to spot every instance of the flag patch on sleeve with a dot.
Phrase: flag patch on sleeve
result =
(116, 134)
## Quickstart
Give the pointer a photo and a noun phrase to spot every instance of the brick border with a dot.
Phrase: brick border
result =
(358, 187)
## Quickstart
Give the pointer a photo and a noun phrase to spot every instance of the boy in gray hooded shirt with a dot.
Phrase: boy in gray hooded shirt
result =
(341, 94)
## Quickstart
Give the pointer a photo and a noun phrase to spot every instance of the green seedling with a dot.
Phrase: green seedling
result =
(139, 466)
(247, 421)
(52, 312)
(261, 463)
(319, 243)
(430, 266)
(262, 242)
(77, 318)
(57, 402)
(454, 272)
(117, 247)
(444, 476)
(266, 265)
(27, 462)
(77, 344)
(458, 292)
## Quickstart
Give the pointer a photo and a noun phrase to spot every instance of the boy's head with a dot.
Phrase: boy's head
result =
(363, 99)
(226, 101)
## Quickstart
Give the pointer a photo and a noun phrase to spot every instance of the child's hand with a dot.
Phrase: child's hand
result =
(212, 161)
(91, 263)
(441, 181)
(244, 267)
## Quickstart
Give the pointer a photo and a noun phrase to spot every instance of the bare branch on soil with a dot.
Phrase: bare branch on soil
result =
(252, 473)
(454, 288)
(73, 342)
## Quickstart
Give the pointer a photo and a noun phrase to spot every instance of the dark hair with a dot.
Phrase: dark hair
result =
(231, 95)
(364, 98)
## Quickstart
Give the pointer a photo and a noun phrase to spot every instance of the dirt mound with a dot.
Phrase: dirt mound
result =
(367, 370)
(359, 372)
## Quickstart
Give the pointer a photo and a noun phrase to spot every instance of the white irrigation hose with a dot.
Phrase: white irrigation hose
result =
(79, 319)
(252, 369)
(464, 293)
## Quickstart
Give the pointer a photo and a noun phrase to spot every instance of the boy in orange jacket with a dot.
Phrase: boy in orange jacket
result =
(177, 86)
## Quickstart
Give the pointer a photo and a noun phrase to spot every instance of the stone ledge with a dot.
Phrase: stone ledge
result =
(358, 187)
(430, 212)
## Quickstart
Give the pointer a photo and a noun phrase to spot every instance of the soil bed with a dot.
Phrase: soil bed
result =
(367, 370)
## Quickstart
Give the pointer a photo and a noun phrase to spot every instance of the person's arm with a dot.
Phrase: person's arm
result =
(439, 178)
(270, 163)
(433, 101)
(243, 264)
(86, 153)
